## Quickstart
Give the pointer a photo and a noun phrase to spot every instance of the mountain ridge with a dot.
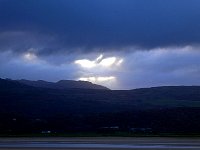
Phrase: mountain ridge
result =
(108, 100)
(62, 84)
(31, 109)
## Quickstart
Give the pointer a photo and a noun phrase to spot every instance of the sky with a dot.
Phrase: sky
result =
(121, 44)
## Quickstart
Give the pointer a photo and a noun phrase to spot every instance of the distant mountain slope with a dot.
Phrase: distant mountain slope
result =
(30, 108)
(63, 84)
(10, 84)
(76, 100)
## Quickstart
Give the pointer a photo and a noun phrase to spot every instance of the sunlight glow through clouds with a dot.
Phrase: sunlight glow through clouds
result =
(107, 62)
(29, 56)
(99, 61)
(97, 79)
(99, 58)
(85, 63)
(119, 62)
(102, 65)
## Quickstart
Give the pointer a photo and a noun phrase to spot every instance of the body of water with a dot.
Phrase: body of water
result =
(102, 144)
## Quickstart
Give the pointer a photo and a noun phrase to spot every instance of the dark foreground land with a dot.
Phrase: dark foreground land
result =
(100, 143)
(41, 107)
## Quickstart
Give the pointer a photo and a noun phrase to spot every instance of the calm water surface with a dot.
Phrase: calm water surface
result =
(102, 144)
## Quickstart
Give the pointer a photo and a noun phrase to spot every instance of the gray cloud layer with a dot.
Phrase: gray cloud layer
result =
(157, 67)
(152, 36)
(65, 25)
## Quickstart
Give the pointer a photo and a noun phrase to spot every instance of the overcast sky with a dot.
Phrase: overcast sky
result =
(122, 44)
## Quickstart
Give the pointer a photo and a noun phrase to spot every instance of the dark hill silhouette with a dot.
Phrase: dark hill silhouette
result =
(63, 84)
(46, 95)
(7, 84)
(170, 108)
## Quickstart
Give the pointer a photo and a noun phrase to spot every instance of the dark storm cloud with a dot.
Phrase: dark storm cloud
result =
(158, 40)
(64, 25)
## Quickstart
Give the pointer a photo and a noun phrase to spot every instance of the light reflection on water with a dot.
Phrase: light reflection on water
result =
(95, 145)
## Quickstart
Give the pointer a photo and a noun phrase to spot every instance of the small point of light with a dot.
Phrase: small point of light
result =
(29, 56)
